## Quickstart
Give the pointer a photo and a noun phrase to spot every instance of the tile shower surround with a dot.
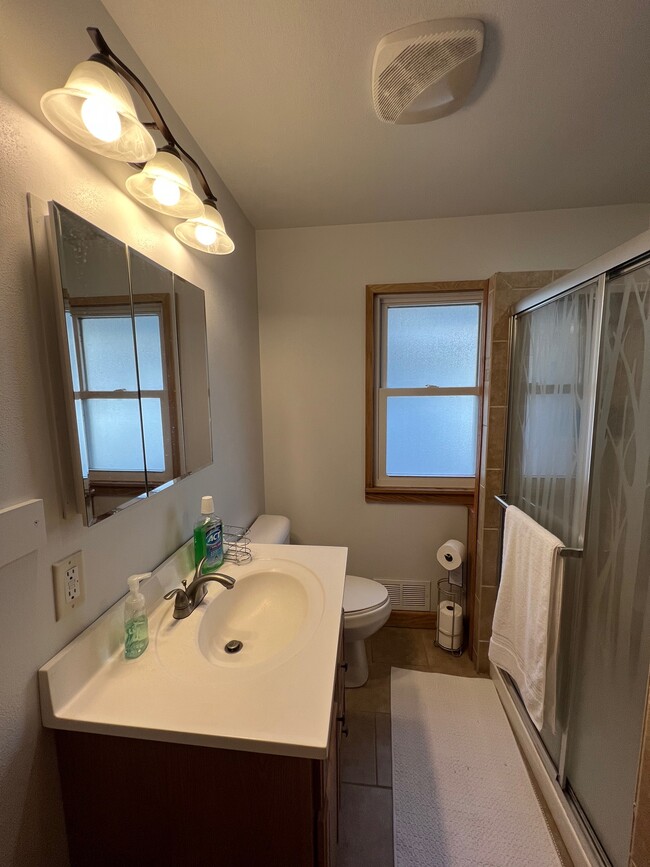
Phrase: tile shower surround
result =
(505, 289)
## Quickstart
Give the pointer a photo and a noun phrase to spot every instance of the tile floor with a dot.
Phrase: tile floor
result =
(366, 829)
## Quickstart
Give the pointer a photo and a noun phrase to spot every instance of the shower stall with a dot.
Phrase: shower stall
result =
(578, 462)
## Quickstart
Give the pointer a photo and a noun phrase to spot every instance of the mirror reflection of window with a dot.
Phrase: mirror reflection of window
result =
(107, 398)
(134, 345)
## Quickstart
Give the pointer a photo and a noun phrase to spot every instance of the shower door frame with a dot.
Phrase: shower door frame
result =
(626, 257)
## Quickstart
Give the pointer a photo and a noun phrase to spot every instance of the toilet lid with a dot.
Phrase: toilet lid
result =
(362, 594)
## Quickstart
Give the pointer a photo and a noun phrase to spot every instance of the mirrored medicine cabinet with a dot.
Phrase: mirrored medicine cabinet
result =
(133, 345)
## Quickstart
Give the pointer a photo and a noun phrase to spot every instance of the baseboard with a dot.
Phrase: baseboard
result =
(413, 619)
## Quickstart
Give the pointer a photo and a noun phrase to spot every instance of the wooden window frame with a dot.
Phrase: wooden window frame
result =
(459, 496)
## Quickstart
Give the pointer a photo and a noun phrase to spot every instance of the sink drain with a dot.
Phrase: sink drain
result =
(234, 646)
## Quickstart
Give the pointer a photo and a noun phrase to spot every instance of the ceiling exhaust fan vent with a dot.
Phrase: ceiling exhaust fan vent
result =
(427, 70)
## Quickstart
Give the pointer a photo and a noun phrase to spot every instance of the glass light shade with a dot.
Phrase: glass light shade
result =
(164, 185)
(96, 111)
(206, 233)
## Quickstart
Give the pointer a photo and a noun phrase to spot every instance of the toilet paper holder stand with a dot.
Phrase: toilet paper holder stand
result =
(451, 596)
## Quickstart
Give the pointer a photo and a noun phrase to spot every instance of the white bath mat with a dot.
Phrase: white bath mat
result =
(461, 792)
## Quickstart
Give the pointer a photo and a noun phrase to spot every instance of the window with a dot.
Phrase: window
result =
(423, 394)
(112, 411)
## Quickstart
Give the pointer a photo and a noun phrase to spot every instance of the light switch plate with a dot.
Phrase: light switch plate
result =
(69, 584)
(22, 530)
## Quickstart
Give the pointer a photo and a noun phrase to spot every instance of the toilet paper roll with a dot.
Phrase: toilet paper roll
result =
(451, 554)
(450, 642)
(450, 618)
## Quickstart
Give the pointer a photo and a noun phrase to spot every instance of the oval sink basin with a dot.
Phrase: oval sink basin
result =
(272, 610)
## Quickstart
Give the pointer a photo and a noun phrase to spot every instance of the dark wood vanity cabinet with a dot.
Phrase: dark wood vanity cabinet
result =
(137, 802)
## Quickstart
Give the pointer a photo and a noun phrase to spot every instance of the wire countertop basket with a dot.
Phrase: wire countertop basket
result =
(236, 544)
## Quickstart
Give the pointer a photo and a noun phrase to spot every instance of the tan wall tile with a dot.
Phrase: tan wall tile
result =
(476, 631)
(525, 279)
(490, 557)
(483, 666)
(486, 611)
(493, 482)
(493, 512)
(499, 373)
(496, 439)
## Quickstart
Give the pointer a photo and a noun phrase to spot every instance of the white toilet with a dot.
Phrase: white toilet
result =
(366, 605)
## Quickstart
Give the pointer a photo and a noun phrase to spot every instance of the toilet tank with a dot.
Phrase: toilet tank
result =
(270, 530)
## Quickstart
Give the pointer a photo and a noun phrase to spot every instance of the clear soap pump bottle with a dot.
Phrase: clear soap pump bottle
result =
(136, 625)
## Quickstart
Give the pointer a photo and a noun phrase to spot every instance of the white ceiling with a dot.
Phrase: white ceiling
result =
(277, 93)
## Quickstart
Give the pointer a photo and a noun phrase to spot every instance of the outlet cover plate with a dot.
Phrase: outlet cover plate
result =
(69, 584)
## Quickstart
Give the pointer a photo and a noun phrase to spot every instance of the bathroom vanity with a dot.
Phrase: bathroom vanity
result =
(188, 755)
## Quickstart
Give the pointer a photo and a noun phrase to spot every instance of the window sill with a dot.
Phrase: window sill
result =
(441, 496)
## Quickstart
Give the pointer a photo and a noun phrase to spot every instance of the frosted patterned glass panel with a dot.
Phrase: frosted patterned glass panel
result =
(431, 436)
(547, 440)
(551, 361)
(109, 353)
(114, 436)
(612, 671)
(150, 368)
(434, 345)
(153, 434)
(551, 419)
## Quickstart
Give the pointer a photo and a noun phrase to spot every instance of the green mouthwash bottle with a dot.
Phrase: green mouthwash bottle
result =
(208, 537)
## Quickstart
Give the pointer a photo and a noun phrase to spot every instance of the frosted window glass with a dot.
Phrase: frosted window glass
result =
(113, 434)
(153, 434)
(434, 345)
(431, 436)
(147, 334)
(108, 353)
(72, 351)
(81, 431)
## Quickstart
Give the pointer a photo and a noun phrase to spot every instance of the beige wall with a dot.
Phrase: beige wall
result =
(39, 43)
(312, 307)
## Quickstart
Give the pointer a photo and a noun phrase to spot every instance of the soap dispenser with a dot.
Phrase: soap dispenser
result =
(136, 625)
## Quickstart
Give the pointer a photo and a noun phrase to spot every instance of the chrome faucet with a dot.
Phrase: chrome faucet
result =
(189, 598)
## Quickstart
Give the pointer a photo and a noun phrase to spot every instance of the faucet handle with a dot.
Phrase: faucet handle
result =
(182, 600)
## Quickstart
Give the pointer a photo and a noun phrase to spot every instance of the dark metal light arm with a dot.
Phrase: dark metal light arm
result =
(158, 123)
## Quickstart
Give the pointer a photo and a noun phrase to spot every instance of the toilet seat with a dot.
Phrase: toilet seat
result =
(362, 595)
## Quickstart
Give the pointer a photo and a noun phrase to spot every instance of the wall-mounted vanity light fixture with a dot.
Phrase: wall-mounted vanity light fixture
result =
(206, 232)
(96, 111)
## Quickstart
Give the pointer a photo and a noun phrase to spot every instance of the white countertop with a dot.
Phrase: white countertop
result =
(173, 693)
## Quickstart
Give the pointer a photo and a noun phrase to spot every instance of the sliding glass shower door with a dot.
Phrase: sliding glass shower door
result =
(611, 672)
(578, 462)
(552, 387)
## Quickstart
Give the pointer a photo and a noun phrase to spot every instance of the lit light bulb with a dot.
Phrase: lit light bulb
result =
(205, 235)
(167, 192)
(100, 118)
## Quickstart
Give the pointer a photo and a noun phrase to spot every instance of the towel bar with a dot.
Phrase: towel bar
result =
(564, 552)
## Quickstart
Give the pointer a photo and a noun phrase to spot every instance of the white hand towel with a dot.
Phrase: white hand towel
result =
(526, 621)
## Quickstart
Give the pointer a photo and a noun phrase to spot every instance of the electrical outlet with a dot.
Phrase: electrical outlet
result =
(69, 586)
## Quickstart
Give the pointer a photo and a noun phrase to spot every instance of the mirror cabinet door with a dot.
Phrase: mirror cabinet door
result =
(135, 358)
(103, 373)
(152, 290)
(192, 343)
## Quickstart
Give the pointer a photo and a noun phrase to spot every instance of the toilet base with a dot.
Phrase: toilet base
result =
(357, 660)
